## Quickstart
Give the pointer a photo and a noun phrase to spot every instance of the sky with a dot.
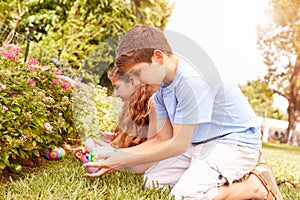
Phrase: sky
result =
(226, 30)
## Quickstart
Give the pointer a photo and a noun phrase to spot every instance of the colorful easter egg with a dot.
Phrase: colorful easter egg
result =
(93, 156)
(55, 154)
(89, 169)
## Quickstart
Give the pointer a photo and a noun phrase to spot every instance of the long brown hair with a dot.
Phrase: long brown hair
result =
(133, 122)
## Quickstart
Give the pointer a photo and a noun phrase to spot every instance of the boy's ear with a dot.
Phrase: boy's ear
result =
(133, 81)
(158, 57)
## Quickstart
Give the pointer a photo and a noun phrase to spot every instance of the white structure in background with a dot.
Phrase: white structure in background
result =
(274, 129)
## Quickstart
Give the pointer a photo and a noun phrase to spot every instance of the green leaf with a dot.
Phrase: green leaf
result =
(4, 158)
(23, 155)
(36, 153)
(15, 151)
(40, 121)
(28, 146)
(9, 139)
(2, 166)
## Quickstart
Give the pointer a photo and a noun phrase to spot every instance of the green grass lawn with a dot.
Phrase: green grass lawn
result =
(64, 179)
(285, 161)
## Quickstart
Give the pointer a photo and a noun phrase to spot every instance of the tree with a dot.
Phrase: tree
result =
(261, 99)
(87, 31)
(152, 12)
(13, 12)
(280, 44)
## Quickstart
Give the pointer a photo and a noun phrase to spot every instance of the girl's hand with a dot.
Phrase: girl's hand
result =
(104, 169)
(109, 163)
(79, 152)
(100, 142)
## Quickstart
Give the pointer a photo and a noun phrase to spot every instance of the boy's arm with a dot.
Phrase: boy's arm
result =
(154, 135)
(152, 151)
(176, 145)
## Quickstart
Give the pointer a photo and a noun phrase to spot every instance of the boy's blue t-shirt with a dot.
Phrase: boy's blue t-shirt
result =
(218, 108)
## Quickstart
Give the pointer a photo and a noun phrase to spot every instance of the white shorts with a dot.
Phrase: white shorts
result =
(199, 172)
(167, 172)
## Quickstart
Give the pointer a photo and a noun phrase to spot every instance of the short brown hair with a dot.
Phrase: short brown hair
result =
(138, 45)
(116, 74)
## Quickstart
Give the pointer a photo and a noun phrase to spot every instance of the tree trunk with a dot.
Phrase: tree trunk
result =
(292, 124)
(294, 102)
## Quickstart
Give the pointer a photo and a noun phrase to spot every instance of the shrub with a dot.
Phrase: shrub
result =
(94, 110)
(35, 107)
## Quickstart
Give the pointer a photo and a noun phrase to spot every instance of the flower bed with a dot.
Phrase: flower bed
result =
(35, 107)
(42, 108)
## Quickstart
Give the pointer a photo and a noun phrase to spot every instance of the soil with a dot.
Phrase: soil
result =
(29, 166)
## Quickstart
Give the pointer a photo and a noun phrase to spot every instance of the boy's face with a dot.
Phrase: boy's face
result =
(148, 73)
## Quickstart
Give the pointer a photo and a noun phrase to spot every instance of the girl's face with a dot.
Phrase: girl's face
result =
(124, 89)
(148, 73)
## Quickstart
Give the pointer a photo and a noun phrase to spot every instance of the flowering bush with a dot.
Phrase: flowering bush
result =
(35, 107)
(36, 110)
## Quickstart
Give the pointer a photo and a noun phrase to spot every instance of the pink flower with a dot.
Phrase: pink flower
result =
(8, 73)
(48, 126)
(65, 85)
(4, 108)
(67, 79)
(33, 61)
(30, 115)
(14, 48)
(31, 82)
(9, 55)
(23, 138)
(31, 68)
(44, 68)
(2, 87)
(50, 99)
(54, 81)
(57, 71)
(104, 88)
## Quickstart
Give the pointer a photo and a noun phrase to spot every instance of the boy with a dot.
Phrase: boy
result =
(215, 133)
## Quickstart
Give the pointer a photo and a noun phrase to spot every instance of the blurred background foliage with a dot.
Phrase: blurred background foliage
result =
(87, 31)
(279, 43)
